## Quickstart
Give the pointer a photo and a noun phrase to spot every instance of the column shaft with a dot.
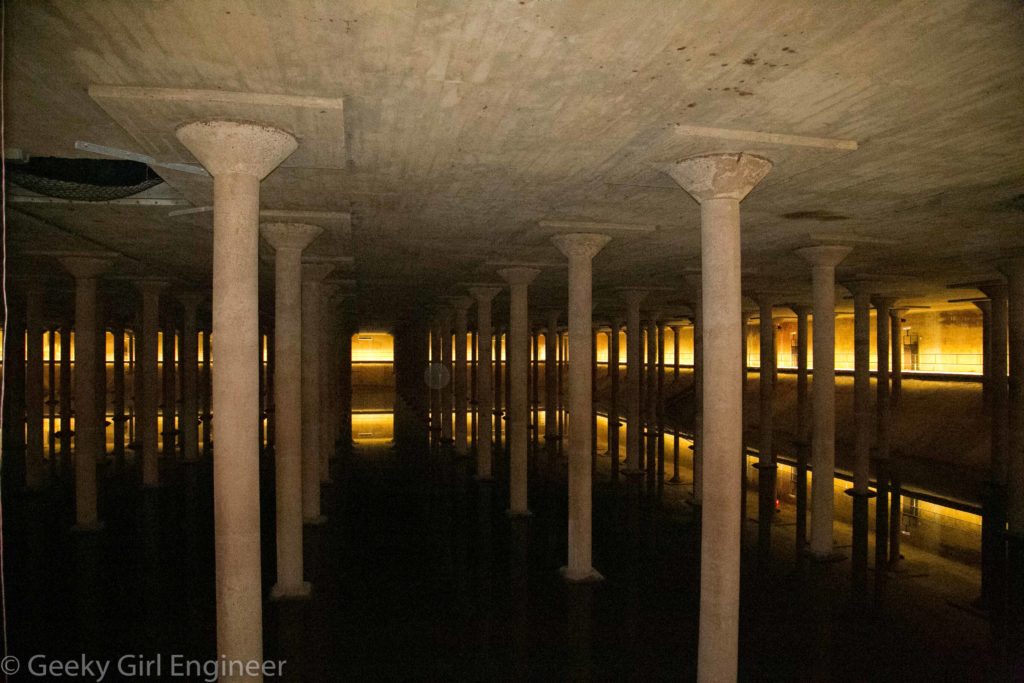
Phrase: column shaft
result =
(310, 391)
(824, 411)
(35, 465)
(189, 382)
(148, 418)
(551, 377)
(88, 416)
(459, 385)
(722, 439)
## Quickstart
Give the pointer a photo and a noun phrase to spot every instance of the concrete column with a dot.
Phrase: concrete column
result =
(896, 338)
(238, 156)
(985, 306)
(895, 476)
(675, 350)
(88, 413)
(634, 369)
(149, 369)
(35, 465)
(461, 306)
(1015, 456)
(288, 241)
(652, 397)
(170, 408)
(803, 424)
(65, 394)
(189, 376)
(551, 377)
(206, 394)
(766, 465)
(593, 397)
(119, 418)
(994, 512)
(694, 283)
(447, 394)
(580, 249)
(676, 332)
(743, 349)
(14, 395)
(719, 182)
(327, 404)
(862, 438)
(499, 392)
(519, 280)
(484, 295)
(613, 405)
(436, 379)
(311, 295)
(882, 326)
(823, 259)
(660, 406)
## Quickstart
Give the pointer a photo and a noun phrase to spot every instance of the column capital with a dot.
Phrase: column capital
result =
(295, 236)
(764, 298)
(1013, 266)
(85, 266)
(484, 294)
(829, 255)
(460, 303)
(984, 305)
(316, 271)
(634, 296)
(718, 176)
(191, 300)
(519, 275)
(882, 302)
(232, 147)
(800, 309)
(151, 285)
(580, 244)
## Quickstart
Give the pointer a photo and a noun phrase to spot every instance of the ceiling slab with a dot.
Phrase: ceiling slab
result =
(151, 116)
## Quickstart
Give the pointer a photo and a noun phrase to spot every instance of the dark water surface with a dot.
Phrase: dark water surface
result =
(419, 574)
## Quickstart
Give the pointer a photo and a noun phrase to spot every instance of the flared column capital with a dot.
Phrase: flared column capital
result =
(718, 176)
(883, 303)
(232, 147)
(151, 286)
(634, 296)
(484, 294)
(518, 275)
(459, 303)
(828, 255)
(295, 236)
(580, 244)
(85, 266)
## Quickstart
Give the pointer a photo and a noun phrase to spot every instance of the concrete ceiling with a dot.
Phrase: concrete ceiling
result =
(467, 127)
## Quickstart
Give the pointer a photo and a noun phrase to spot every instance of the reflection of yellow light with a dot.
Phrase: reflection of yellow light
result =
(373, 428)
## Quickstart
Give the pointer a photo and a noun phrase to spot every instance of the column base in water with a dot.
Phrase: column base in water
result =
(300, 592)
(590, 576)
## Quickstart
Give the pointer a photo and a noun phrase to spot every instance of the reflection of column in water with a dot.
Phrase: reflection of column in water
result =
(520, 596)
(484, 567)
(89, 624)
(613, 406)
(118, 381)
(65, 393)
(51, 401)
(579, 636)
